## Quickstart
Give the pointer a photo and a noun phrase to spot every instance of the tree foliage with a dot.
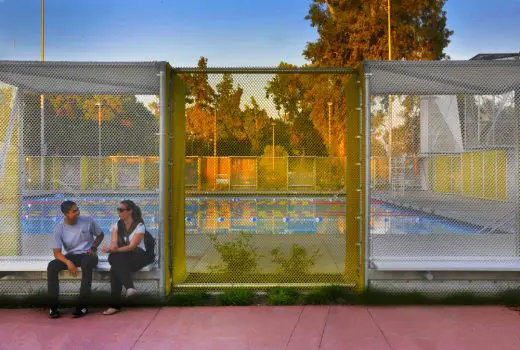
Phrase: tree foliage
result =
(357, 30)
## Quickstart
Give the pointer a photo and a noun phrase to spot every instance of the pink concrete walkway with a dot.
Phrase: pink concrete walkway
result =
(294, 327)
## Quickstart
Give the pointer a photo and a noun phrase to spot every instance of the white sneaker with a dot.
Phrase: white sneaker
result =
(130, 292)
(110, 311)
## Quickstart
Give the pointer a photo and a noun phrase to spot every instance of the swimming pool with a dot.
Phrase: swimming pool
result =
(263, 215)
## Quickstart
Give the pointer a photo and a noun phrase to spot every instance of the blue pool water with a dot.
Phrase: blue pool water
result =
(274, 215)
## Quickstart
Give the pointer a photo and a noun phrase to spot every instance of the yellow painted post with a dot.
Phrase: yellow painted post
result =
(83, 166)
(56, 171)
(178, 129)
(355, 181)
(141, 174)
(467, 186)
(199, 174)
(10, 194)
(113, 173)
(502, 175)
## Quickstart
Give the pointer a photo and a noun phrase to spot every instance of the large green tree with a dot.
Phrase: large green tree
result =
(351, 31)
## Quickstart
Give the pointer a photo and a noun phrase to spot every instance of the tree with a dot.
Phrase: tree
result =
(351, 31)
(200, 111)
(230, 125)
(255, 120)
(296, 97)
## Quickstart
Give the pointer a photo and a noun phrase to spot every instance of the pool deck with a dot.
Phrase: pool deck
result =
(473, 211)
(267, 327)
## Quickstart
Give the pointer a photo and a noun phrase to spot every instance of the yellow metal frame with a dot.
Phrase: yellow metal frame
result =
(12, 205)
(177, 180)
(174, 252)
(355, 181)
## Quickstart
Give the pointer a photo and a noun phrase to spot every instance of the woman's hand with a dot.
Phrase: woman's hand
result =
(109, 249)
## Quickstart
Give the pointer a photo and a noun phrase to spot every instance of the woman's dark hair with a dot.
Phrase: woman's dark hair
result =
(137, 215)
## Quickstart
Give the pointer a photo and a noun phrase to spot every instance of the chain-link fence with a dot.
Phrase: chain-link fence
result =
(265, 177)
(88, 132)
(444, 165)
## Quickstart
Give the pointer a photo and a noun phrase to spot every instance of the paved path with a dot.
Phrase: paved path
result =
(277, 327)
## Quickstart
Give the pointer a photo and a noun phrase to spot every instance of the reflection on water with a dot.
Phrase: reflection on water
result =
(282, 215)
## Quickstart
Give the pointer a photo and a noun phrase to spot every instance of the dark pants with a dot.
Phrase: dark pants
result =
(122, 267)
(87, 264)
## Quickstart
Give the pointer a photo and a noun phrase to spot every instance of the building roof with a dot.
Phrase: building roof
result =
(496, 56)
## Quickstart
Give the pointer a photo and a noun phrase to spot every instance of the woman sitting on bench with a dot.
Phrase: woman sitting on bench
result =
(127, 252)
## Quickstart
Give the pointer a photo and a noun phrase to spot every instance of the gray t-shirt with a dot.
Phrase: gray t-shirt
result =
(78, 238)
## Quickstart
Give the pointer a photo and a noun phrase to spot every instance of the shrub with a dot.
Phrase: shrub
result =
(297, 263)
(282, 296)
(238, 256)
(236, 297)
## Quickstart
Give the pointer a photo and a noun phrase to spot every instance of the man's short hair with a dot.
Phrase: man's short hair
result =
(67, 206)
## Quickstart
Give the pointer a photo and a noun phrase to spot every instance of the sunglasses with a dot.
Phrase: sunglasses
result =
(120, 210)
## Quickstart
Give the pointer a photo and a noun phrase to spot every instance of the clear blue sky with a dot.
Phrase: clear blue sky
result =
(229, 33)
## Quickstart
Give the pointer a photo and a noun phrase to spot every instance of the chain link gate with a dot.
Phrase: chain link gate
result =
(266, 160)
(444, 175)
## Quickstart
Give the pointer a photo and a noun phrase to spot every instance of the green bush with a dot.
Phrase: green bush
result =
(239, 256)
(236, 297)
(297, 263)
(282, 296)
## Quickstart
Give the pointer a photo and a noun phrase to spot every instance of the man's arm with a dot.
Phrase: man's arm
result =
(96, 231)
(97, 242)
(58, 255)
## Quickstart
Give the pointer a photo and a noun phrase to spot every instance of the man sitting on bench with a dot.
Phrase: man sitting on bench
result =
(76, 236)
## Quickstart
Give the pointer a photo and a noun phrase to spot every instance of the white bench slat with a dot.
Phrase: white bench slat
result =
(30, 264)
(447, 265)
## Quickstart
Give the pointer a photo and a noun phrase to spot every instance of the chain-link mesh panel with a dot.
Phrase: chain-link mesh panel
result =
(444, 166)
(279, 138)
(81, 131)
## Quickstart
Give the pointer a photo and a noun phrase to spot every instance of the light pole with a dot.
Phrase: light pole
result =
(273, 124)
(191, 138)
(98, 105)
(43, 150)
(390, 100)
(389, 33)
(215, 149)
(329, 104)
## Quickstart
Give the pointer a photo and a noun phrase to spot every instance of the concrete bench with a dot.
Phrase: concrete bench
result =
(482, 264)
(39, 264)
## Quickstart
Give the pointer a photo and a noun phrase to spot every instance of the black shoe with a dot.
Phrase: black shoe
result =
(80, 312)
(54, 313)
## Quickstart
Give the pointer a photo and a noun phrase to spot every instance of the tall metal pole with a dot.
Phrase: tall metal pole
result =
(389, 33)
(390, 101)
(330, 144)
(273, 145)
(215, 150)
(43, 151)
(99, 142)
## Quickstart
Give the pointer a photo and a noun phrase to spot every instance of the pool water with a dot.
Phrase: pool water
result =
(267, 215)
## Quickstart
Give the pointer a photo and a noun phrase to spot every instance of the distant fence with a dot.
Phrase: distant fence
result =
(141, 174)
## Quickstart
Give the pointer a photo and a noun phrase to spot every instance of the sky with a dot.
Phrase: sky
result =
(230, 33)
